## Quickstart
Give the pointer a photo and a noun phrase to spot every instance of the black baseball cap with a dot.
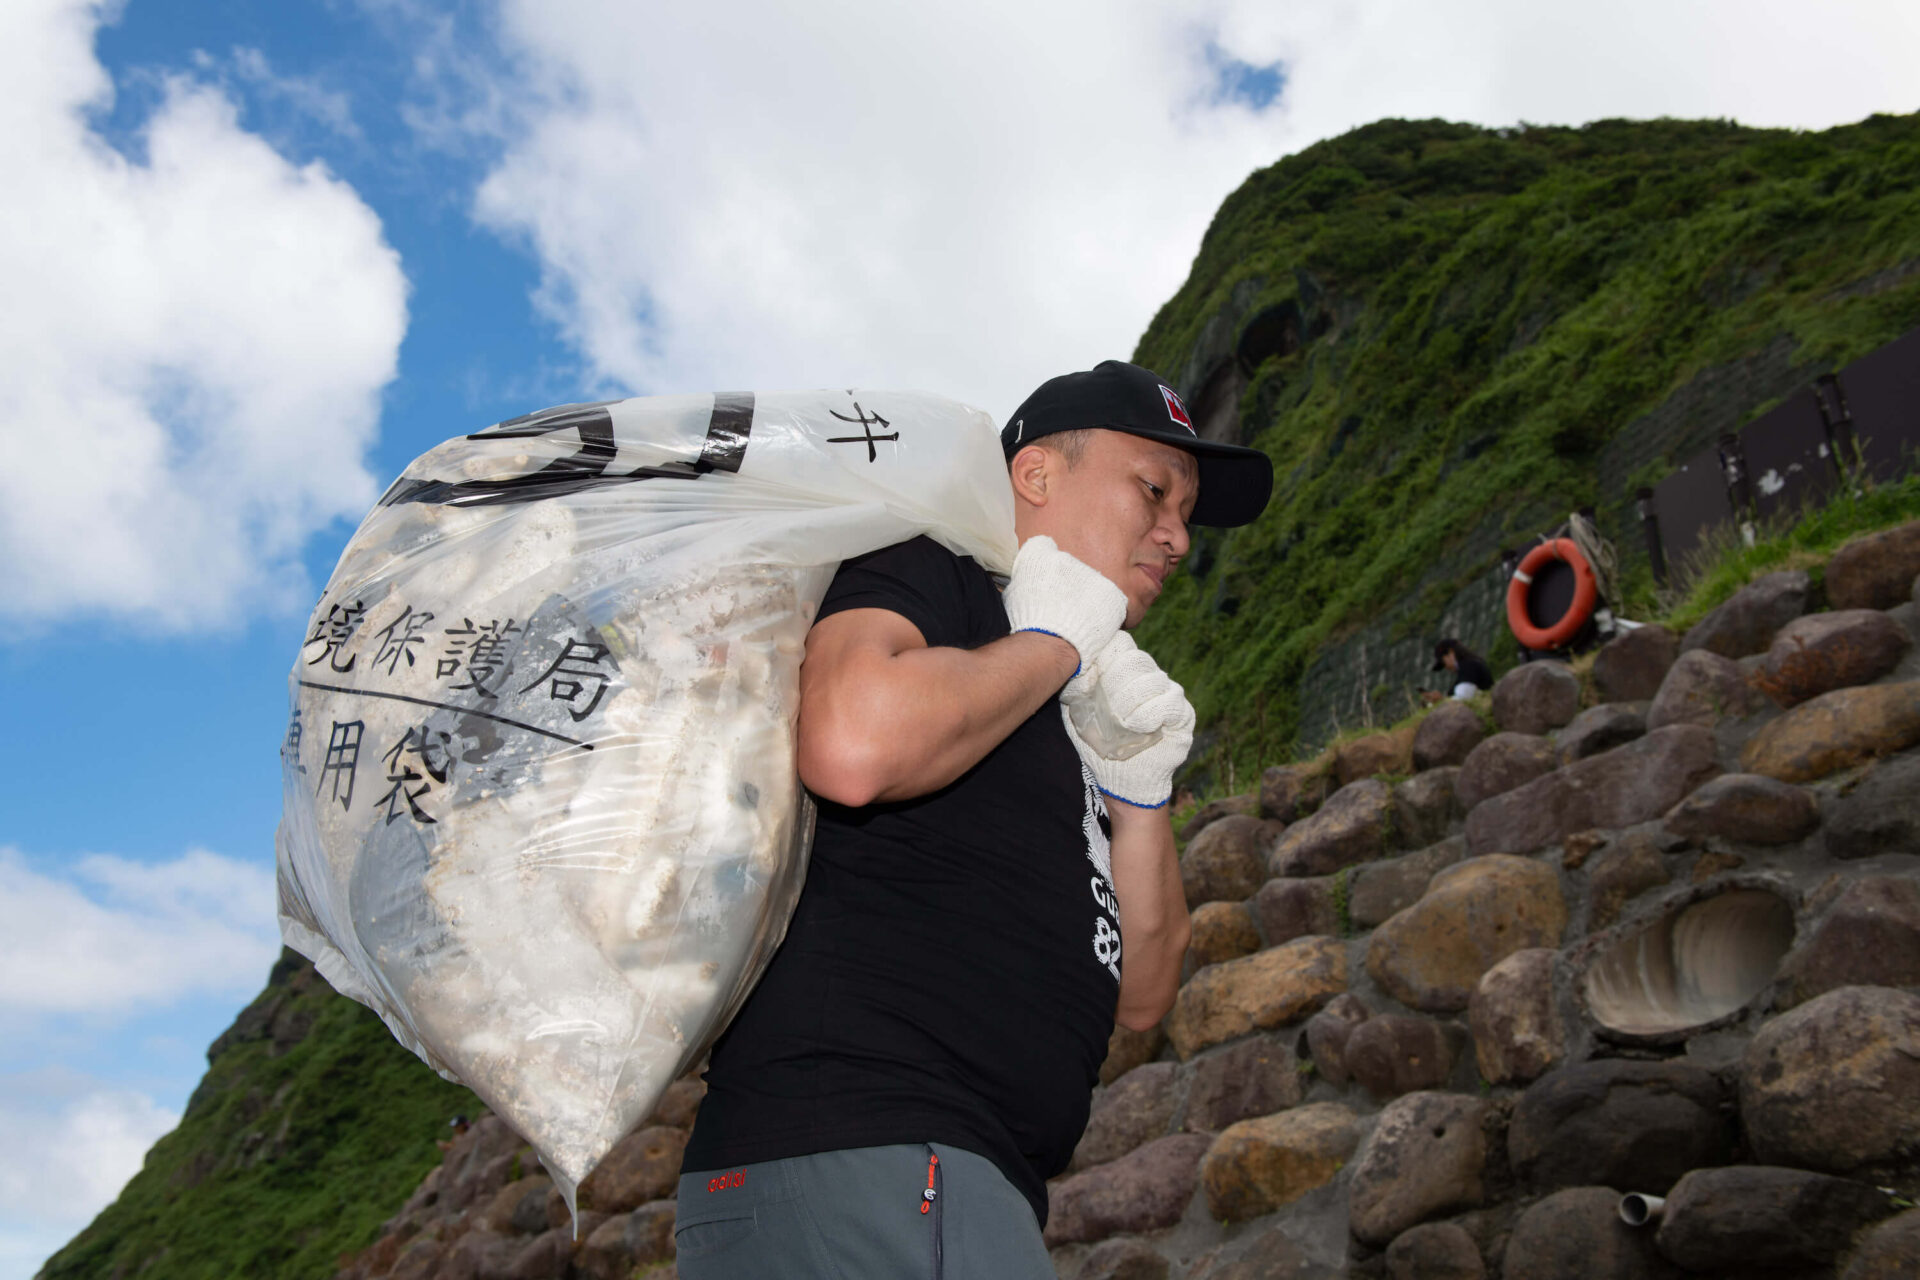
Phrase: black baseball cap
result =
(1235, 482)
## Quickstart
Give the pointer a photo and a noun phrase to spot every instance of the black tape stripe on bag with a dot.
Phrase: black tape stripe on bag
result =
(724, 449)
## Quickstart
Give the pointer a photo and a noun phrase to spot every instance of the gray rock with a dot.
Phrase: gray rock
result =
(1285, 909)
(527, 1214)
(1835, 1084)
(1516, 1029)
(1746, 623)
(1745, 808)
(1871, 937)
(1501, 763)
(1435, 1251)
(1128, 1049)
(1268, 1257)
(1630, 667)
(1474, 915)
(1600, 728)
(1836, 731)
(1761, 1217)
(1618, 788)
(1891, 1251)
(648, 1236)
(473, 1253)
(1227, 861)
(1328, 1032)
(1535, 697)
(1826, 651)
(544, 1256)
(421, 1257)
(1875, 571)
(1395, 1054)
(1122, 1258)
(1222, 931)
(1289, 792)
(1374, 754)
(1427, 1156)
(1255, 1077)
(1145, 1190)
(1701, 688)
(1135, 1109)
(1619, 874)
(1356, 824)
(1267, 989)
(1211, 812)
(1881, 815)
(1634, 1125)
(1267, 1162)
(1445, 736)
(1578, 1233)
(679, 1104)
(643, 1166)
(1381, 890)
(1428, 806)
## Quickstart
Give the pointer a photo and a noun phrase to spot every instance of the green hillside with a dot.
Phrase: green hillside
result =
(310, 1128)
(1451, 325)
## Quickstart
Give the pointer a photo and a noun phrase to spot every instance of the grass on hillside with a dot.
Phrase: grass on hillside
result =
(281, 1164)
(1480, 312)
(1720, 567)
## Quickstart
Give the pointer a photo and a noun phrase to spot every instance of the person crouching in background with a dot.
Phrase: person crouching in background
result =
(1470, 671)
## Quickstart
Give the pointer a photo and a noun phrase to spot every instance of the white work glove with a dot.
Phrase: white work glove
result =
(1130, 722)
(1052, 592)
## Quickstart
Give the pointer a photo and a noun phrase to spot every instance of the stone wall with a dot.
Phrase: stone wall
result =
(1458, 989)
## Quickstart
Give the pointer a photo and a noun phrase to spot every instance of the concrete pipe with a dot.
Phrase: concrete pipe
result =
(1695, 964)
(1637, 1210)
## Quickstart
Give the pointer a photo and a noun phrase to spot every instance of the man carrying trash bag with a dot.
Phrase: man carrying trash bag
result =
(992, 770)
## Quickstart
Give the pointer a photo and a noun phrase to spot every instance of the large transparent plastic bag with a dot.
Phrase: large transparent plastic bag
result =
(541, 812)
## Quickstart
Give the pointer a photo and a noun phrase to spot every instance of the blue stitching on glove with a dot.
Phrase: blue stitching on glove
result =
(1138, 804)
(1057, 636)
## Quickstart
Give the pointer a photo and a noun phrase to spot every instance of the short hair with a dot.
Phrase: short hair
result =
(1070, 445)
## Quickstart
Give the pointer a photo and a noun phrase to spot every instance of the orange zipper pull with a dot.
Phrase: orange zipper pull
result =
(926, 1201)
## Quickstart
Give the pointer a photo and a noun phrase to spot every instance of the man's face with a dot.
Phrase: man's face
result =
(1122, 508)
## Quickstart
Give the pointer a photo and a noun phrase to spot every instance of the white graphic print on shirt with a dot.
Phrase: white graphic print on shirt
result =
(1106, 926)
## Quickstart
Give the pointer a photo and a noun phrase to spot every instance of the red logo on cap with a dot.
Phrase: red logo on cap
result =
(1176, 410)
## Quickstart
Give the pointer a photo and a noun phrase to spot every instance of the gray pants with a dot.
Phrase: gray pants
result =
(856, 1215)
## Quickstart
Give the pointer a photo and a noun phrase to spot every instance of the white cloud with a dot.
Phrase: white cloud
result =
(972, 200)
(193, 344)
(115, 937)
(72, 1145)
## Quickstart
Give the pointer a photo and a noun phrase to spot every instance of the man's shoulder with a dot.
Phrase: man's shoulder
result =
(920, 552)
(948, 597)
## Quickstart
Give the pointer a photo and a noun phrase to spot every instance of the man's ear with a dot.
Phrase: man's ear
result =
(1031, 472)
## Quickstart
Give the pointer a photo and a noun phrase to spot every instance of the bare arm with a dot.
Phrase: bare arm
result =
(885, 717)
(1154, 925)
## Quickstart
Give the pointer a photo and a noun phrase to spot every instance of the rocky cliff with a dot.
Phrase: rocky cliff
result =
(1449, 337)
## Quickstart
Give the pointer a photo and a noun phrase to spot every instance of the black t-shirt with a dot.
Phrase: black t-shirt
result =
(952, 968)
(1472, 671)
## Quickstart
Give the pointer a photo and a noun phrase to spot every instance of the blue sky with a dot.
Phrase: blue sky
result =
(273, 252)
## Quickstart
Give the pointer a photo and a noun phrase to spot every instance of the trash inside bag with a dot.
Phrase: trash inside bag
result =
(541, 812)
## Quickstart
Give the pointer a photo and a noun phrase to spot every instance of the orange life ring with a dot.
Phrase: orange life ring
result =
(1586, 595)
